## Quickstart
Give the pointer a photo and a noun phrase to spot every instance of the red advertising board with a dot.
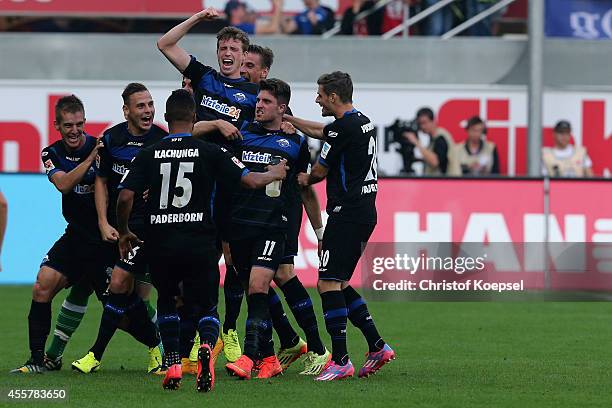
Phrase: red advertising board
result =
(147, 8)
(493, 212)
(23, 133)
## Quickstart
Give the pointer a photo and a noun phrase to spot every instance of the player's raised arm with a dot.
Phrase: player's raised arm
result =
(274, 25)
(308, 127)
(65, 181)
(168, 43)
(259, 180)
(229, 131)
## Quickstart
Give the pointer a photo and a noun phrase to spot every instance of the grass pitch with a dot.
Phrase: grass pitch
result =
(507, 354)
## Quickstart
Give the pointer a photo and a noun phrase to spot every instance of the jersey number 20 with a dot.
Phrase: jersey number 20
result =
(373, 172)
(181, 181)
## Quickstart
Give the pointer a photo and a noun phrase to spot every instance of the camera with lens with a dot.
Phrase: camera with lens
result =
(395, 133)
(400, 126)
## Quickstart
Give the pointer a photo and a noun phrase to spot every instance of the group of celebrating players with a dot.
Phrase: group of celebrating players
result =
(229, 177)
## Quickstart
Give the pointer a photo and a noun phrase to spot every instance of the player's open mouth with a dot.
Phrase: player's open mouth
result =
(227, 62)
(146, 120)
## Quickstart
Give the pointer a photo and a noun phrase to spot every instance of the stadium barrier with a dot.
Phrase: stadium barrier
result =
(409, 210)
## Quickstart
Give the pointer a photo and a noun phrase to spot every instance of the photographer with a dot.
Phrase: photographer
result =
(565, 159)
(424, 146)
(476, 156)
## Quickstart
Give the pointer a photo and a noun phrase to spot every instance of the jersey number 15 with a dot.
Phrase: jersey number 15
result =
(181, 201)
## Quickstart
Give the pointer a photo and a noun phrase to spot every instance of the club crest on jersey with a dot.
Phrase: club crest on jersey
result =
(49, 165)
(256, 157)
(240, 97)
(331, 133)
(283, 143)
(222, 108)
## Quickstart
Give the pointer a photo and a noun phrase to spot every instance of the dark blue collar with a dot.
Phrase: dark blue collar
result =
(178, 135)
(351, 112)
(256, 127)
(232, 80)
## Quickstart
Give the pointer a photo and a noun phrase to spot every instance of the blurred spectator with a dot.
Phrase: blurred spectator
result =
(371, 25)
(428, 146)
(476, 156)
(483, 27)
(316, 19)
(238, 15)
(439, 22)
(377, 23)
(565, 159)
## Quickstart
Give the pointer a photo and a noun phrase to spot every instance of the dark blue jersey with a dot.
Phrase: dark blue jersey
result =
(253, 211)
(181, 174)
(78, 206)
(218, 97)
(349, 152)
(114, 159)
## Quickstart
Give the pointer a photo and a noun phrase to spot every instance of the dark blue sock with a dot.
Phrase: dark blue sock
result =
(39, 325)
(188, 329)
(233, 293)
(301, 306)
(287, 336)
(258, 322)
(208, 327)
(335, 314)
(140, 325)
(114, 310)
(170, 329)
(360, 317)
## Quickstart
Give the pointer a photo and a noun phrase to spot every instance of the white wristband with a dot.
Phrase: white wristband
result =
(319, 233)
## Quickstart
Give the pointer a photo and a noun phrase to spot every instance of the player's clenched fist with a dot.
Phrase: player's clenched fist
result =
(279, 171)
(108, 233)
(207, 14)
(229, 131)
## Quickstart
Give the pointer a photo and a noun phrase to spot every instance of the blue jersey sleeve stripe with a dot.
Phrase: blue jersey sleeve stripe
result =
(323, 162)
(52, 172)
(245, 172)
